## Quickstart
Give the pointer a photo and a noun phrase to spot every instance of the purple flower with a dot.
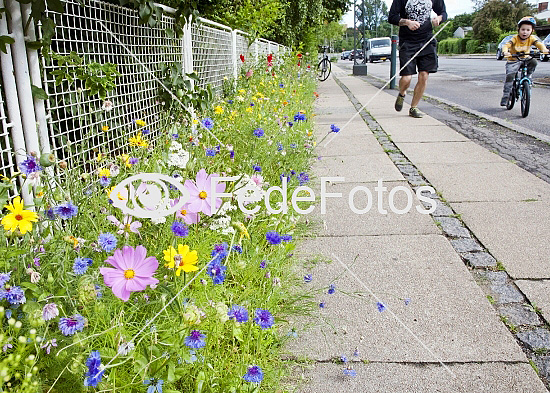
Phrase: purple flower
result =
(104, 181)
(259, 132)
(217, 271)
(71, 325)
(264, 318)
(232, 154)
(155, 385)
(344, 359)
(80, 265)
(145, 132)
(257, 168)
(195, 340)
(14, 295)
(286, 238)
(237, 248)
(349, 372)
(133, 160)
(175, 136)
(407, 301)
(333, 128)
(238, 313)
(303, 178)
(254, 374)
(263, 264)
(281, 85)
(30, 165)
(94, 374)
(299, 117)
(273, 238)
(208, 123)
(308, 278)
(107, 241)
(381, 306)
(279, 146)
(210, 152)
(50, 311)
(322, 305)
(180, 229)
(66, 210)
(4, 278)
(331, 289)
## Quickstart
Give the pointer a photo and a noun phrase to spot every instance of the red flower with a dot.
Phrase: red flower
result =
(299, 55)
(242, 58)
(270, 58)
(299, 64)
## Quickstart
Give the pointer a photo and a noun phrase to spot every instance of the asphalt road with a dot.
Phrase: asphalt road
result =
(476, 83)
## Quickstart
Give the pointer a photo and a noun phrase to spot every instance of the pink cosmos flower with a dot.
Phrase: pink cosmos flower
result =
(200, 193)
(133, 271)
(126, 226)
(249, 73)
(184, 213)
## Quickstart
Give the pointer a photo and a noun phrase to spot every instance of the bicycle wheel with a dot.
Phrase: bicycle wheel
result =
(512, 97)
(525, 98)
(323, 70)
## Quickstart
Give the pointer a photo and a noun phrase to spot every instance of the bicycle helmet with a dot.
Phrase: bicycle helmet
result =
(529, 20)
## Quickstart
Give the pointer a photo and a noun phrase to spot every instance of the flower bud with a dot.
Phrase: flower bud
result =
(47, 159)
(63, 164)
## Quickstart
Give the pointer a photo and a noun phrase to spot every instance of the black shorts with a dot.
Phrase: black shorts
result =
(424, 61)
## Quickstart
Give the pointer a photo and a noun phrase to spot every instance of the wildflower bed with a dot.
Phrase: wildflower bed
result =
(92, 299)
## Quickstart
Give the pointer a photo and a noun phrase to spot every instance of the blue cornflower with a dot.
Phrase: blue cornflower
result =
(303, 178)
(180, 229)
(286, 238)
(257, 168)
(217, 271)
(155, 385)
(71, 325)
(98, 292)
(279, 146)
(14, 295)
(80, 265)
(50, 215)
(104, 181)
(30, 165)
(94, 374)
(259, 132)
(263, 264)
(238, 248)
(232, 154)
(208, 123)
(175, 136)
(308, 278)
(145, 132)
(210, 152)
(407, 301)
(8, 313)
(349, 372)
(299, 117)
(264, 318)
(356, 352)
(251, 104)
(344, 359)
(292, 172)
(254, 374)
(229, 101)
(331, 289)
(381, 306)
(4, 278)
(220, 251)
(195, 340)
(273, 238)
(107, 241)
(290, 124)
(238, 313)
(281, 85)
(293, 146)
(322, 305)
(333, 128)
(66, 210)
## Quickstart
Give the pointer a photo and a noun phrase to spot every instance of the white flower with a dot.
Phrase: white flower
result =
(125, 348)
(158, 220)
(178, 159)
(107, 106)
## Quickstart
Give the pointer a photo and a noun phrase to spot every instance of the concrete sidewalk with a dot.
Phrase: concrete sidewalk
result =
(448, 280)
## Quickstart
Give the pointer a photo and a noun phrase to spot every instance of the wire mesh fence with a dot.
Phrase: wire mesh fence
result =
(94, 33)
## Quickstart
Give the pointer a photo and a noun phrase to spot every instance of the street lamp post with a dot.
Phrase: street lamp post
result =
(359, 68)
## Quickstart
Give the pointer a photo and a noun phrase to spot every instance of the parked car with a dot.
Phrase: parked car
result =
(500, 54)
(546, 43)
(378, 49)
(359, 54)
(345, 55)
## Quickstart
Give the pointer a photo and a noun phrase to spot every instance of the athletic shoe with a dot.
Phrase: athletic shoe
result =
(399, 102)
(415, 112)
(504, 101)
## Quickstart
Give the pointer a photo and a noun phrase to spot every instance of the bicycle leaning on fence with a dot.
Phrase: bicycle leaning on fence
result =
(521, 90)
(323, 68)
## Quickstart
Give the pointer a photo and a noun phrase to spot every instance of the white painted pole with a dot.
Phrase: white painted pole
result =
(234, 53)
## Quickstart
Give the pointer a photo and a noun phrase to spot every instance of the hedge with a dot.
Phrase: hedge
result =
(459, 46)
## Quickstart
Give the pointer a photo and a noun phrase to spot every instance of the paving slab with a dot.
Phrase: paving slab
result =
(389, 121)
(424, 378)
(417, 133)
(538, 293)
(346, 145)
(339, 220)
(354, 128)
(359, 168)
(490, 181)
(448, 153)
(448, 311)
(516, 233)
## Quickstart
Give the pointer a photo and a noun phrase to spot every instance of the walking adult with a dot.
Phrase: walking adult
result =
(415, 21)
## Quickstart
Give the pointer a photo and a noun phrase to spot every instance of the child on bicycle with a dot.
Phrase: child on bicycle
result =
(520, 43)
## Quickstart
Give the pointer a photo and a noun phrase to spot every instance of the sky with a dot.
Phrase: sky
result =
(454, 7)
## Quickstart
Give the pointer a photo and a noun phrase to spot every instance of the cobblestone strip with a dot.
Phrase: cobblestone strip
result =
(523, 320)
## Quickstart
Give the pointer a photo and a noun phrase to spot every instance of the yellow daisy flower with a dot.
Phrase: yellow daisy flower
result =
(104, 172)
(105, 128)
(18, 218)
(138, 141)
(187, 260)
(140, 123)
(218, 110)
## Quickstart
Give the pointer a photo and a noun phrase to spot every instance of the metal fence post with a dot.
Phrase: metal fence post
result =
(393, 68)
(188, 48)
(234, 53)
